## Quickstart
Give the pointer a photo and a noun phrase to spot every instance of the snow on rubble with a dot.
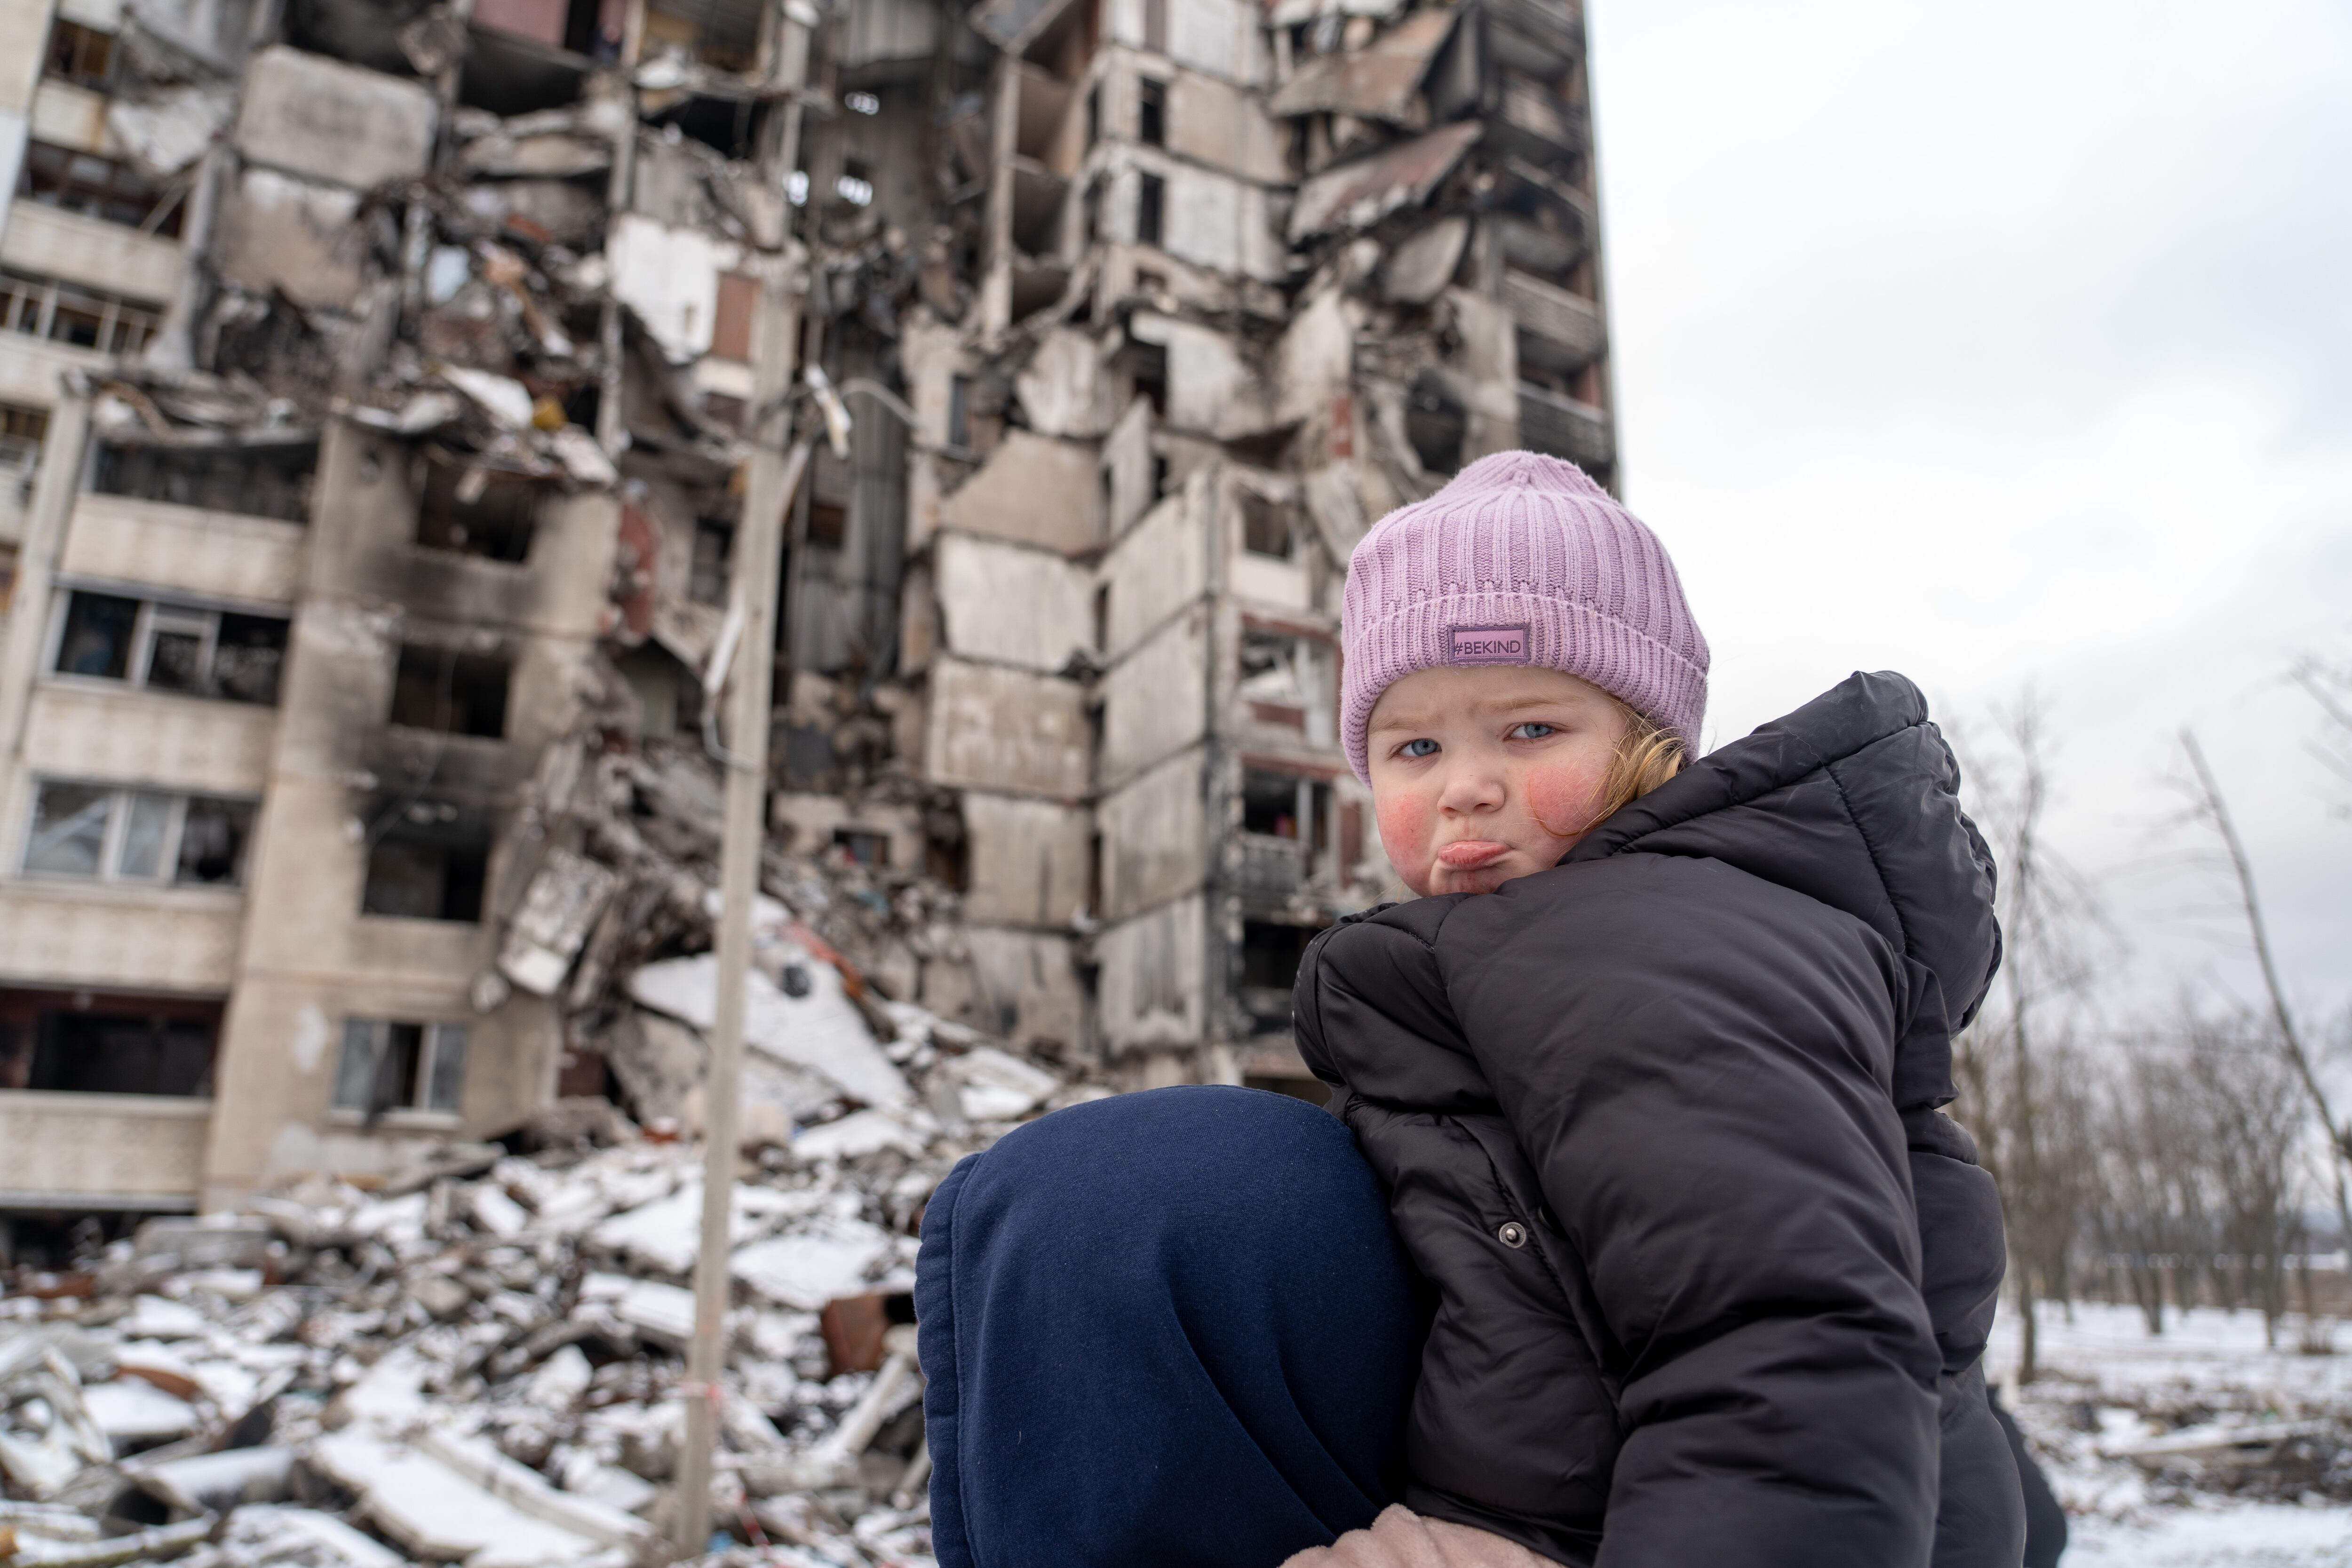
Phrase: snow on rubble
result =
(2203, 1448)
(479, 1360)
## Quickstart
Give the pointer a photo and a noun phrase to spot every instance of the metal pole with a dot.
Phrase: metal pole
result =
(759, 541)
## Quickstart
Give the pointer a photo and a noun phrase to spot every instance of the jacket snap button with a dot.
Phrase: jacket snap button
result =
(1512, 1234)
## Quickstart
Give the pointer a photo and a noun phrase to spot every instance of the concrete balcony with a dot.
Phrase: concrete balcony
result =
(1532, 119)
(120, 936)
(1557, 331)
(1271, 869)
(1544, 36)
(91, 252)
(215, 554)
(1563, 428)
(102, 1150)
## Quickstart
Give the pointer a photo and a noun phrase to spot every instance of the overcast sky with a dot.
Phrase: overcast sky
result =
(2003, 343)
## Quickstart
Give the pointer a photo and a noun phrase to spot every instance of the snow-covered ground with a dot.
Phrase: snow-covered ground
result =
(2106, 1382)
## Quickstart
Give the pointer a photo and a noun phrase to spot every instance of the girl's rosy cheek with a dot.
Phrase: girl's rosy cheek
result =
(1407, 825)
(1564, 795)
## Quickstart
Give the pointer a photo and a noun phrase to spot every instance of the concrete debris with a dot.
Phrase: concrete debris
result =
(478, 1360)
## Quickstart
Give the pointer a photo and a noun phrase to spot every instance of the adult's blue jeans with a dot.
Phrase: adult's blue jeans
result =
(1160, 1330)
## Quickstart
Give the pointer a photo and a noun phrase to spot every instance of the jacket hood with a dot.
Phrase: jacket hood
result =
(1853, 800)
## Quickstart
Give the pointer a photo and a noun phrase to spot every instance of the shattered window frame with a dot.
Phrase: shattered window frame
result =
(106, 190)
(457, 684)
(1262, 517)
(264, 480)
(498, 524)
(1151, 111)
(710, 566)
(47, 309)
(24, 432)
(394, 1066)
(221, 666)
(79, 54)
(1150, 209)
(458, 847)
(138, 837)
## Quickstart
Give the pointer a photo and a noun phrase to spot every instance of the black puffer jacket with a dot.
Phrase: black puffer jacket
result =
(1714, 1274)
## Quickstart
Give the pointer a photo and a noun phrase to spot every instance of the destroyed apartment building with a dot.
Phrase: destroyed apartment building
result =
(384, 382)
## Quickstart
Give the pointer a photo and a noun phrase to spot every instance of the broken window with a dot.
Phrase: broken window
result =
(1278, 804)
(1150, 199)
(429, 864)
(960, 412)
(1270, 958)
(1283, 682)
(863, 846)
(102, 834)
(84, 1042)
(82, 55)
(1152, 112)
(1265, 526)
(387, 1066)
(714, 544)
(172, 648)
(462, 511)
(104, 188)
(827, 524)
(1147, 374)
(271, 480)
(1435, 422)
(76, 316)
(454, 692)
(731, 322)
(22, 432)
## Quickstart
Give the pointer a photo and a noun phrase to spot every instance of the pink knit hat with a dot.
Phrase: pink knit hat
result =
(1520, 560)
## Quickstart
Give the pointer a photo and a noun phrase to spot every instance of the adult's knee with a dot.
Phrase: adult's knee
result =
(1189, 1288)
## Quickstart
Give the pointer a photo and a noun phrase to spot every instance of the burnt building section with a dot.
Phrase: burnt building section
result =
(376, 376)
(383, 386)
(1210, 286)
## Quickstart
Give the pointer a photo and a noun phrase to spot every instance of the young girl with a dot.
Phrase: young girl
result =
(1647, 1081)
(1650, 1072)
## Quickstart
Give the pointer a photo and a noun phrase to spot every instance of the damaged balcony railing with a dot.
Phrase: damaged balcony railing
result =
(1564, 427)
(1272, 869)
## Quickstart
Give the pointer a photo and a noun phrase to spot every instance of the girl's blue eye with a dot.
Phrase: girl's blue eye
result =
(1418, 749)
(1530, 731)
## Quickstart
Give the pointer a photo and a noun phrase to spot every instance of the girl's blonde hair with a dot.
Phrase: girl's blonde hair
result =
(1647, 756)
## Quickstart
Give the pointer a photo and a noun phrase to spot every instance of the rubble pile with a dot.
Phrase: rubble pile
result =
(481, 1359)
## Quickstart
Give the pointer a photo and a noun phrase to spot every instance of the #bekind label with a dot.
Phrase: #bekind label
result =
(1487, 645)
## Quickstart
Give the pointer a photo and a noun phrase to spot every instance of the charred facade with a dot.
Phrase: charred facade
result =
(383, 384)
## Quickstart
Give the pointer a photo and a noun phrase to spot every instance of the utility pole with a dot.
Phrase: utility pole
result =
(759, 545)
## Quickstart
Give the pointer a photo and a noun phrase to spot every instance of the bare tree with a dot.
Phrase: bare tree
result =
(2151, 1216)
(2293, 1050)
(2253, 1128)
(2027, 1126)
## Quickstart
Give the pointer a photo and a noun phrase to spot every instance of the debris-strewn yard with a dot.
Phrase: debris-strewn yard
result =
(2203, 1449)
(478, 1360)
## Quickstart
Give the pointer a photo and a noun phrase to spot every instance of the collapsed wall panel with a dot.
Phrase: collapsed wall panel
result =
(1153, 837)
(1155, 701)
(1157, 569)
(1154, 986)
(1026, 861)
(279, 232)
(979, 583)
(1005, 728)
(1034, 489)
(306, 114)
